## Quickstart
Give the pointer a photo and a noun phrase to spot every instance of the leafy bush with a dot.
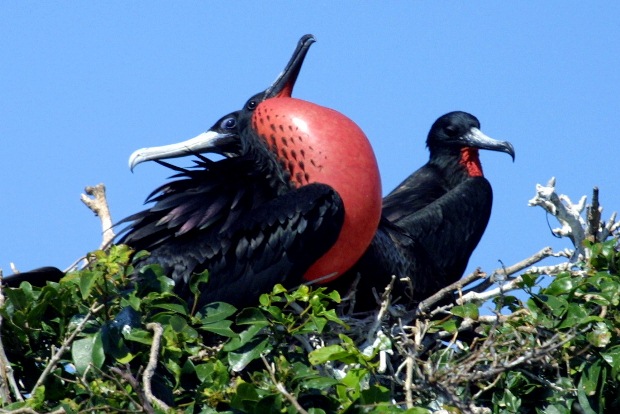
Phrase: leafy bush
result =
(97, 342)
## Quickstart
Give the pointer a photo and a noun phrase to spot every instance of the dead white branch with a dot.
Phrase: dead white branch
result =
(574, 226)
(98, 203)
(567, 213)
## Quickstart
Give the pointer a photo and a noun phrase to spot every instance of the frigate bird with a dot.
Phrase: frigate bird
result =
(297, 198)
(432, 222)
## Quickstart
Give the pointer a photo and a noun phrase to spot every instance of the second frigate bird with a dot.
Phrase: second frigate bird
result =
(432, 222)
(300, 200)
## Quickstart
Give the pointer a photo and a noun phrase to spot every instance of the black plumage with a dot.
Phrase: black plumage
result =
(433, 221)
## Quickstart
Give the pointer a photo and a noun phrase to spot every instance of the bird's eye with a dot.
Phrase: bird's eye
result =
(251, 105)
(228, 123)
(451, 131)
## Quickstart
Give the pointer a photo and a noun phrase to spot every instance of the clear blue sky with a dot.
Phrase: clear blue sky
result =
(84, 84)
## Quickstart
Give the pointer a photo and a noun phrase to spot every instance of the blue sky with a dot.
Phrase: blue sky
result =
(84, 84)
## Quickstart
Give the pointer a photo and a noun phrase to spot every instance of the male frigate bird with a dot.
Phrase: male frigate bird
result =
(300, 200)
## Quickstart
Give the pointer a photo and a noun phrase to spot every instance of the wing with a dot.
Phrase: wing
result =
(275, 242)
(417, 191)
(450, 228)
(208, 199)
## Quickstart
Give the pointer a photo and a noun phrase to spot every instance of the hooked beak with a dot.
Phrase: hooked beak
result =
(210, 141)
(284, 83)
(476, 139)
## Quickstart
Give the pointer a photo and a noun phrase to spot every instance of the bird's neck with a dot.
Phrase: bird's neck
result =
(471, 161)
(457, 164)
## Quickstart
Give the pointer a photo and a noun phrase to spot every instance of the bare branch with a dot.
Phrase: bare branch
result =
(594, 218)
(567, 213)
(99, 205)
(447, 291)
(147, 376)
(506, 272)
(128, 376)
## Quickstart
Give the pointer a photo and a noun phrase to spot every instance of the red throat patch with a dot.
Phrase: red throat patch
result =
(471, 162)
(319, 145)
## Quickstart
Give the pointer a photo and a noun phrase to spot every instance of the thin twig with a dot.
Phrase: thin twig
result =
(147, 376)
(408, 381)
(133, 382)
(281, 387)
(385, 303)
(447, 291)
(508, 271)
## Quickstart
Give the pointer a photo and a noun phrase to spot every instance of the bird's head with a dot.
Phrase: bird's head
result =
(459, 130)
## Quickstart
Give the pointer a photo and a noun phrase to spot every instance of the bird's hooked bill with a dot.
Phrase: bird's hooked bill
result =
(477, 139)
(284, 83)
(210, 142)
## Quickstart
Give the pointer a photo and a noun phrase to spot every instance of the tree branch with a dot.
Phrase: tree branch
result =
(147, 376)
(99, 205)
(567, 213)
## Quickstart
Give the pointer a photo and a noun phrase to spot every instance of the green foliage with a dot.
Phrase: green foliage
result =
(90, 336)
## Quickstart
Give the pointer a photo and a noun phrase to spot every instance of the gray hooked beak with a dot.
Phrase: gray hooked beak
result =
(477, 139)
(209, 141)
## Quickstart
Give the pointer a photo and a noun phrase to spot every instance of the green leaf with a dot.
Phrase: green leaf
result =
(245, 397)
(320, 383)
(196, 280)
(222, 328)
(243, 338)
(87, 351)
(216, 311)
(576, 315)
(561, 285)
(138, 335)
(20, 298)
(600, 336)
(612, 357)
(469, 310)
(584, 402)
(88, 281)
(331, 353)
(252, 350)
(252, 316)
(213, 374)
(375, 394)
(449, 325)
(529, 280)
(174, 307)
